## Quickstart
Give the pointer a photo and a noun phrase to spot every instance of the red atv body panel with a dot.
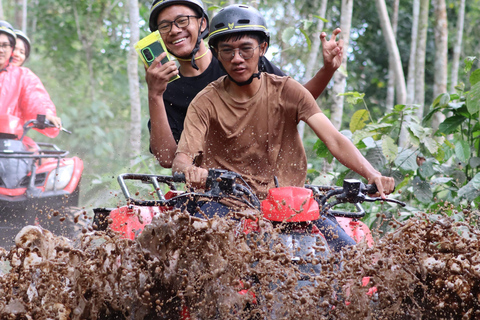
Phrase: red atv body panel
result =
(49, 168)
(285, 204)
(130, 220)
(356, 229)
(290, 204)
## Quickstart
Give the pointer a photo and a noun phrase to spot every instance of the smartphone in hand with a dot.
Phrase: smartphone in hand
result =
(151, 47)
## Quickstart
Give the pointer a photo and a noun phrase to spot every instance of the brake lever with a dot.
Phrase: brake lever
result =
(65, 130)
(370, 199)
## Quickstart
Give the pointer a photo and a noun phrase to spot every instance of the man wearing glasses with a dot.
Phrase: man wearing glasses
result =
(246, 121)
(183, 24)
(22, 94)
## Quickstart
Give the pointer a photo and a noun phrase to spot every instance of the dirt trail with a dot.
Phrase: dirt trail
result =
(424, 269)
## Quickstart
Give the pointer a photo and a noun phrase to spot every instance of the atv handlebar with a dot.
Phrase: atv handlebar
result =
(353, 191)
(40, 123)
(179, 177)
(222, 184)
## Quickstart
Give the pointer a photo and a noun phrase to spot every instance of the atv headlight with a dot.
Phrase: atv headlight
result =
(59, 178)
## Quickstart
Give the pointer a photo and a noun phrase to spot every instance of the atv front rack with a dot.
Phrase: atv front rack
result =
(41, 153)
(221, 184)
(154, 180)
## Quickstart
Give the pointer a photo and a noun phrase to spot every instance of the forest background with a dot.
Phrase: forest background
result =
(408, 93)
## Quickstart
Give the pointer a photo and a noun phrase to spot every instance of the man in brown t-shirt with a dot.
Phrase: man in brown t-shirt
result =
(256, 137)
(246, 122)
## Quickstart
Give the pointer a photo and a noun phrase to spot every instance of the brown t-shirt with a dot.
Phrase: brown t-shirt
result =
(257, 138)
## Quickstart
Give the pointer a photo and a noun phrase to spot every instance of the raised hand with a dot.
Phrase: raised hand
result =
(158, 75)
(332, 50)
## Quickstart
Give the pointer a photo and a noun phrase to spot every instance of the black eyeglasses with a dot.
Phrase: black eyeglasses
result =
(4, 46)
(180, 22)
(244, 52)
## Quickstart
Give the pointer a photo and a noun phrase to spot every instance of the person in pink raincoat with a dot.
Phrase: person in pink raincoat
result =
(22, 49)
(22, 94)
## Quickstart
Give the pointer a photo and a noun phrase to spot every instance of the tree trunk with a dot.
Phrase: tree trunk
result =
(86, 45)
(421, 52)
(34, 21)
(18, 12)
(87, 38)
(290, 11)
(413, 53)
(24, 16)
(132, 62)
(313, 56)
(457, 46)
(392, 51)
(1, 11)
(316, 43)
(339, 79)
(390, 101)
(441, 53)
(411, 71)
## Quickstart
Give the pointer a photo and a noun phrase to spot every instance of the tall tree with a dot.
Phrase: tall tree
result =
(18, 12)
(441, 53)
(457, 47)
(89, 21)
(411, 69)
(394, 56)
(314, 54)
(390, 101)
(132, 68)
(392, 50)
(1, 11)
(288, 17)
(421, 54)
(24, 16)
(339, 78)
(413, 53)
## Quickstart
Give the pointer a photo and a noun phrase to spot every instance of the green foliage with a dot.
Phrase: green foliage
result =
(359, 119)
(304, 27)
(433, 166)
(353, 97)
(469, 63)
(322, 151)
(80, 49)
(79, 53)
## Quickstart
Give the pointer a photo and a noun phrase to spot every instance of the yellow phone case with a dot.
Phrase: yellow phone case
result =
(151, 47)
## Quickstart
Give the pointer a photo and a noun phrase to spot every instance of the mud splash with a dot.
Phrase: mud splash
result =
(182, 268)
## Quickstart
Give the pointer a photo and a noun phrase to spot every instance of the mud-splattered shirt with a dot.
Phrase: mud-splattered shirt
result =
(257, 138)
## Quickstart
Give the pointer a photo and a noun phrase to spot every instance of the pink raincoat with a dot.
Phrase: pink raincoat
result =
(23, 95)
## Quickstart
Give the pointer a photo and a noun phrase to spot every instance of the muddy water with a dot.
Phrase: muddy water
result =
(181, 268)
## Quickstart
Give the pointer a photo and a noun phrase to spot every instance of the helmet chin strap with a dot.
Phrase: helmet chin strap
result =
(244, 83)
(194, 52)
(253, 76)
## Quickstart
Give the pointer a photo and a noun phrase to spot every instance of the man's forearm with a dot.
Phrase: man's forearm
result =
(348, 155)
(162, 143)
(194, 176)
(319, 82)
(181, 162)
